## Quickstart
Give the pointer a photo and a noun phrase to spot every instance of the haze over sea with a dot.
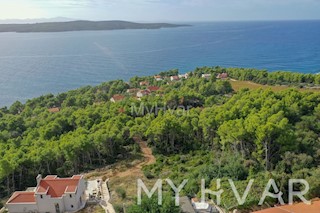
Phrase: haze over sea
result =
(33, 64)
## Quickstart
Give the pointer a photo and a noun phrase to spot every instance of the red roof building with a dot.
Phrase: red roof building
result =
(142, 93)
(22, 197)
(117, 98)
(158, 78)
(295, 208)
(51, 194)
(56, 187)
(133, 90)
(174, 78)
(222, 75)
(153, 88)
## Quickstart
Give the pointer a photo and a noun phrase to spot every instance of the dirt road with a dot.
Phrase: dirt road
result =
(136, 169)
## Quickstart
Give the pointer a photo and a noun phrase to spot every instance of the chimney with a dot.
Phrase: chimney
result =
(39, 178)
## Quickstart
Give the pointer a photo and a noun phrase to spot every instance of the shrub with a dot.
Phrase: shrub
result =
(121, 192)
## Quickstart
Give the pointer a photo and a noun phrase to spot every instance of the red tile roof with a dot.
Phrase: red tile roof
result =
(174, 78)
(144, 92)
(57, 187)
(295, 208)
(50, 185)
(118, 97)
(50, 177)
(71, 189)
(22, 197)
(77, 177)
(153, 88)
(222, 75)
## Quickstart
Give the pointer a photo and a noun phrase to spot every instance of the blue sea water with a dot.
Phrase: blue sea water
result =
(33, 64)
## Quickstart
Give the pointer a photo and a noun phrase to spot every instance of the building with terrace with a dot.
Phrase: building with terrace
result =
(51, 195)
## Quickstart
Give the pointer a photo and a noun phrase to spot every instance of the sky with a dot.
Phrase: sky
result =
(162, 10)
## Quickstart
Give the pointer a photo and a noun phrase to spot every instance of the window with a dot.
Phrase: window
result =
(70, 196)
(72, 206)
(57, 208)
(41, 196)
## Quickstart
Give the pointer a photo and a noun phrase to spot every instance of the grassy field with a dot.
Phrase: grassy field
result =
(237, 85)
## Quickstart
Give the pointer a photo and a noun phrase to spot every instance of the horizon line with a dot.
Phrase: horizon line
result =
(157, 21)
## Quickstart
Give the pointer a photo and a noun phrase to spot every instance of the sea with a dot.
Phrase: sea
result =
(34, 64)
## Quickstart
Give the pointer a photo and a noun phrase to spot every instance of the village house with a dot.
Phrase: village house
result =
(153, 88)
(222, 75)
(117, 98)
(133, 91)
(174, 78)
(185, 76)
(143, 93)
(144, 83)
(298, 207)
(51, 195)
(54, 109)
(193, 206)
(158, 78)
(207, 76)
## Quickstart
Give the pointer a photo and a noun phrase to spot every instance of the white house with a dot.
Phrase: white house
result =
(158, 78)
(174, 78)
(51, 195)
(116, 98)
(222, 75)
(207, 76)
(185, 76)
(143, 93)
(203, 208)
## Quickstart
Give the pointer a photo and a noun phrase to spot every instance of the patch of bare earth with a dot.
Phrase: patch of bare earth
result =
(124, 175)
(92, 209)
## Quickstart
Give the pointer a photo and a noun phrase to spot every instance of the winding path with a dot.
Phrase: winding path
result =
(105, 204)
(136, 169)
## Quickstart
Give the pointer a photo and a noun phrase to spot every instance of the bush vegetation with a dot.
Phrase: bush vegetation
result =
(223, 134)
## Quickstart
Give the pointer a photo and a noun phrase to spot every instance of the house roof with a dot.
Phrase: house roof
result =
(56, 187)
(295, 208)
(144, 83)
(118, 97)
(144, 92)
(50, 185)
(22, 197)
(54, 109)
(175, 77)
(222, 75)
(132, 90)
(183, 75)
(51, 177)
(71, 189)
(206, 75)
(153, 88)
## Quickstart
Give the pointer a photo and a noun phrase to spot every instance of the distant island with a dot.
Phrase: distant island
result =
(82, 26)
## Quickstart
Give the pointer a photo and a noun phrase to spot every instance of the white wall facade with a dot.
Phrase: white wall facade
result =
(69, 202)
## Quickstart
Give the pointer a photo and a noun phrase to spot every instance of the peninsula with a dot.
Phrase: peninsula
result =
(82, 26)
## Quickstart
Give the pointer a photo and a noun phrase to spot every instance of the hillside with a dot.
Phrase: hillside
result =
(81, 26)
(196, 126)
